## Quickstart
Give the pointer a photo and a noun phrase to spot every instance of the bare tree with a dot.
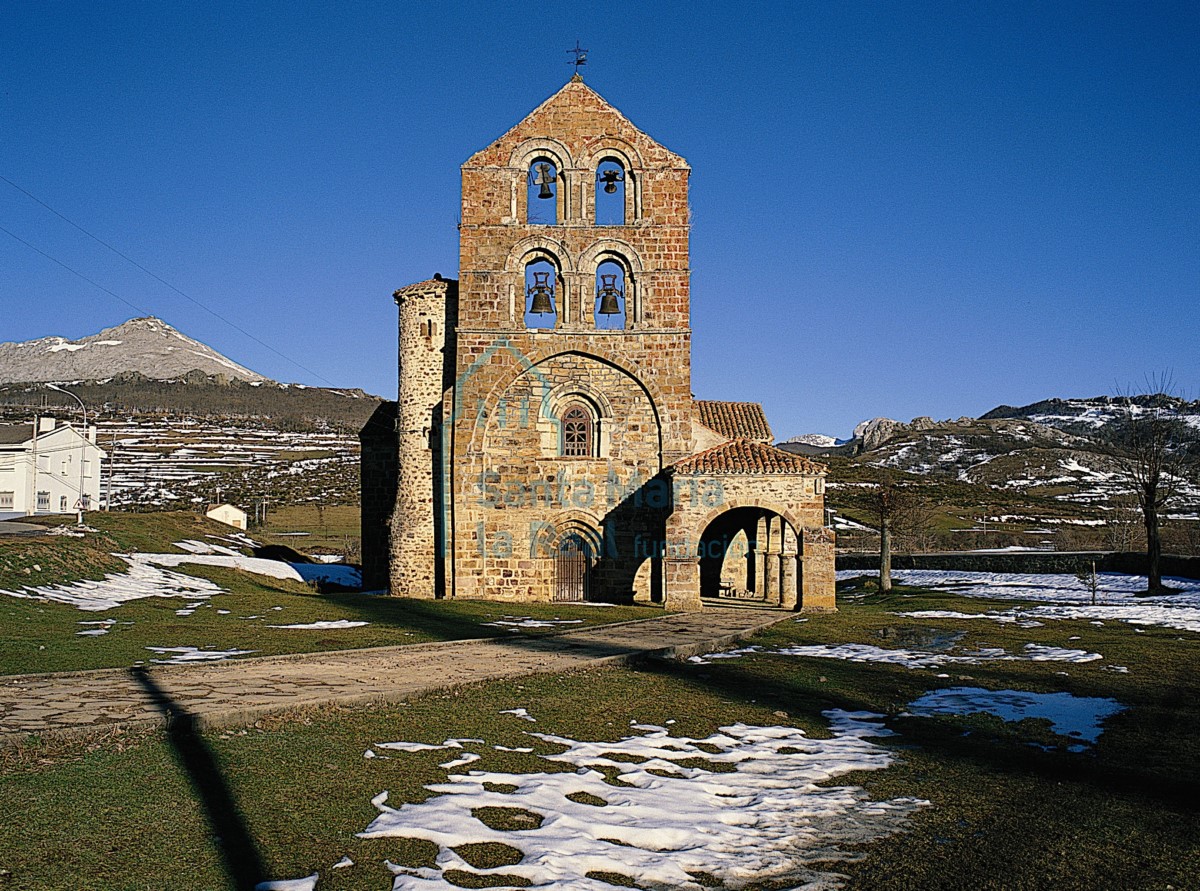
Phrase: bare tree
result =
(1122, 524)
(889, 504)
(1155, 454)
(1090, 580)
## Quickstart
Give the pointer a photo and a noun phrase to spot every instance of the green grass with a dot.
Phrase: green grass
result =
(40, 637)
(1005, 814)
(332, 529)
(37, 636)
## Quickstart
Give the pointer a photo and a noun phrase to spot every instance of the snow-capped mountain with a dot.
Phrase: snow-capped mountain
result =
(146, 346)
(819, 440)
(1098, 417)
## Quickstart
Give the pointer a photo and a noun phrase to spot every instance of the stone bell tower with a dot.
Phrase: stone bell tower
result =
(573, 243)
(545, 444)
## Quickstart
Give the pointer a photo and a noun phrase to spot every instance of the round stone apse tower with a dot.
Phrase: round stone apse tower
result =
(427, 312)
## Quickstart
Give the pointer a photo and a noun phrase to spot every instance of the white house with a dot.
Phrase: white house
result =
(227, 514)
(44, 469)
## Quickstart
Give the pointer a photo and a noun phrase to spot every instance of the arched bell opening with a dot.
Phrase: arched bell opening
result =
(542, 192)
(541, 294)
(610, 308)
(750, 554)
(610, 193)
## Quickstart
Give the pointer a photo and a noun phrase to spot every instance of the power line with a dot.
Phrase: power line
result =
(94, 284)
(154, 276)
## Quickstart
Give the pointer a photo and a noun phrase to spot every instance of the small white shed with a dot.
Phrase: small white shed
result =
(227, 514)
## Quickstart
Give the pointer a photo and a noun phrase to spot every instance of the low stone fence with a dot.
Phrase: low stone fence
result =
(1028, 562)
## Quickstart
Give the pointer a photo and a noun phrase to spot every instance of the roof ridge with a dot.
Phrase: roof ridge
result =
(744, 455)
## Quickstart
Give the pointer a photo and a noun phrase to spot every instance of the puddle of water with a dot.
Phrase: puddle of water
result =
(1079, 717)
(923, 637)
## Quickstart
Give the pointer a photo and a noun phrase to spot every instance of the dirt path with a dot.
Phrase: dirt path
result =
(239, 691)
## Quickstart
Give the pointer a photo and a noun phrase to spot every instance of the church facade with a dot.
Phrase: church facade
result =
(545, 444)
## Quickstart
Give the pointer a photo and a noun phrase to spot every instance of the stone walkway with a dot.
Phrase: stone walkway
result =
(240, 691)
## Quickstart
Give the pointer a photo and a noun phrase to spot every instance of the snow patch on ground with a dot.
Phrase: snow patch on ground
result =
(515, 623)
(907, 658)
(520, 713)
(323, 626)
(1004, 618)
(1064, 596)
(1080, 717)
(768, 819)
(102, 627)
(309, 883)
(146, 577)
(185, 655)
(143, 579)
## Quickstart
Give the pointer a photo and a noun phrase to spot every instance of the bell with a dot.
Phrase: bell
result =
(544, 177)
(541, 291)
(610, 178)
(610, 296)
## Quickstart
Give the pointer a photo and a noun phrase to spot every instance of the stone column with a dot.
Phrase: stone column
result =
(681, 577)
(818, 574)
(760, 558)
(788, 594)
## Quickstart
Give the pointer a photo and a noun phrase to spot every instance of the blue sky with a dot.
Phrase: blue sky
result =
(899, 208)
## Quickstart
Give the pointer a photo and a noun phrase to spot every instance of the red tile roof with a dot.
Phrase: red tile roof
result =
(734, 420)
(747, 456)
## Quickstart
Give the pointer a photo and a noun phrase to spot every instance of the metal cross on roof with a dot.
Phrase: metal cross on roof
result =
(580, 56)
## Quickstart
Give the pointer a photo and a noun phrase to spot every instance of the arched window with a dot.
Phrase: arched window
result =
(541, 202)
(541, 306)
(577, 429)
(610, 295)
(610, 194)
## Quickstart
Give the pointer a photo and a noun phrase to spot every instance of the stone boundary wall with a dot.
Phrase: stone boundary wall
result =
(1029, 562)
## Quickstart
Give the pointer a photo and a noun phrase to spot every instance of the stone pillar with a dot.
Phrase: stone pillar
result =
(789, 595)
(760, 558)
(682, 583)
(819, 577)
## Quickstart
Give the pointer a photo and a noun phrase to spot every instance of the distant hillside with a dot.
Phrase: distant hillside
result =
(1014, 476)
(196, 395)
(1100, 417)
(146, 346)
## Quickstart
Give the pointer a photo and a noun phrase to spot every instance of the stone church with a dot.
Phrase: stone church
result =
(545, 444)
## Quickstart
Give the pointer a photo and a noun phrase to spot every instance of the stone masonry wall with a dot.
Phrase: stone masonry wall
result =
(699, 499)
(517, 496)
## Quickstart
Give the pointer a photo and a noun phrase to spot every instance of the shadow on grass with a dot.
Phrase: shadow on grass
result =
(803, 693)
(239, 854)
(447, 619)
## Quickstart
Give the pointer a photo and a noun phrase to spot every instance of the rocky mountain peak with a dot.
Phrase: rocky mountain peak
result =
(147, 346)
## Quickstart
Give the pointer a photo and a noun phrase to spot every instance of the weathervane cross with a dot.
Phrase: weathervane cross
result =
(580, 57)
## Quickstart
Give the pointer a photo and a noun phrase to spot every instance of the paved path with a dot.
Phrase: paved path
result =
(239, 691)
(12, 527)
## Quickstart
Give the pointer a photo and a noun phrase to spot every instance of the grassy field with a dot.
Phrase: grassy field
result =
(1010, 806)
(39, 636)
(313, 530)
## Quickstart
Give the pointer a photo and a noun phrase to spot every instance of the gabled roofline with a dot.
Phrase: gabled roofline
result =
(471, 161)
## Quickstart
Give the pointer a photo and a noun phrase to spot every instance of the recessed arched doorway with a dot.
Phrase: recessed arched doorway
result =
(572, 565)
(750, 554)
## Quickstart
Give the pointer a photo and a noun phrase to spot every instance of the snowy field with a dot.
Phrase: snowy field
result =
(756, 811)
(1057, 596)
(908, 658)
(179, 462)
(146, 577)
